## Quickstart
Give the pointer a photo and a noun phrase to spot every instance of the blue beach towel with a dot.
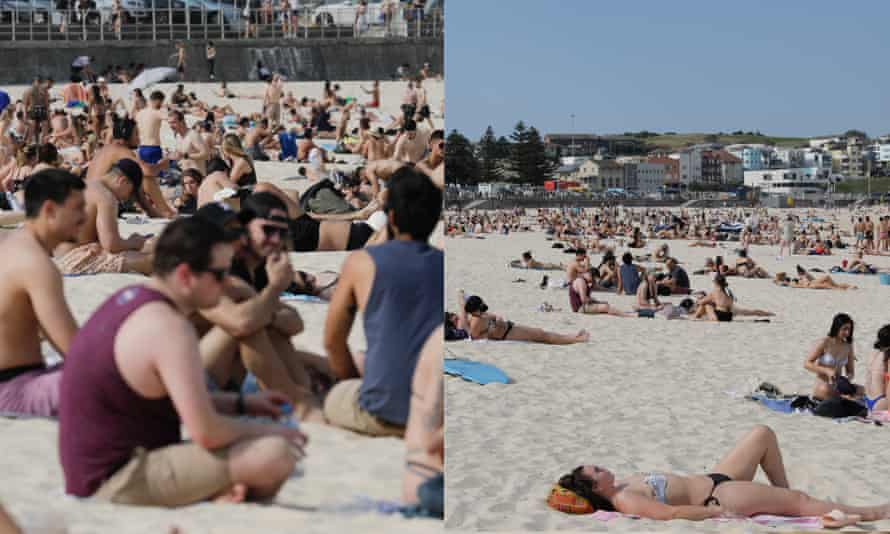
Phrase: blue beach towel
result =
(776, 405)
(303, 298)
(480, 373)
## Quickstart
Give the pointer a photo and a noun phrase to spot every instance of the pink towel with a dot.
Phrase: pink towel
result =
(808, 523)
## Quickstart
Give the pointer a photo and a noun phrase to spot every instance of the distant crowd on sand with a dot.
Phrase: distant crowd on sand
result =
(204, 342)
(627, 265)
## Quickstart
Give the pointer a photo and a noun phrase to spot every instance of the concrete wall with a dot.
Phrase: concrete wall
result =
(341, 60)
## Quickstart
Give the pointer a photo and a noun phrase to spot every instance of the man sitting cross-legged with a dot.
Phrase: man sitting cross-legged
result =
(250, 330)
(398, 287)
(32, 301)
(133, 376)
(99, 247)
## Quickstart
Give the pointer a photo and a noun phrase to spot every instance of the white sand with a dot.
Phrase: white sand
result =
(340, 465)
(644, 394)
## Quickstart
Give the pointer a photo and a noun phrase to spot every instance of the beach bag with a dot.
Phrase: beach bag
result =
(323, 198)
(837, 408)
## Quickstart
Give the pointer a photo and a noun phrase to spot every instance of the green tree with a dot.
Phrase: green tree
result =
(461, 166)
(488, 154)
(528, 162)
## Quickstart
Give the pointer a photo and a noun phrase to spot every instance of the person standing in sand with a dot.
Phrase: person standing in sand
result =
(180, 60)
(150, 153)
(373, 394)
(32, 300)
(99, 247)
(272, 100)
(135, 378)
(210, 54)
(191, 151)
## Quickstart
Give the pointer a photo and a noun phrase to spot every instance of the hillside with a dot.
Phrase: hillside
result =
(677, 141)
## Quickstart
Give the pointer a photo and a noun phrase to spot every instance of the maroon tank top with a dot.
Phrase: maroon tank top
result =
(101, 419)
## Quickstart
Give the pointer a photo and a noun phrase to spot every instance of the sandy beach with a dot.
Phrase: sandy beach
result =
(340, 466)
(645, 394)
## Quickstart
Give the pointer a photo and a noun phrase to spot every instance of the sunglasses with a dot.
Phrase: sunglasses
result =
(271, 230)
(218, 274)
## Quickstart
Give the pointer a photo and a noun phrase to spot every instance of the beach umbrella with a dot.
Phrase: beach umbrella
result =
(150, 77)
(4, 100)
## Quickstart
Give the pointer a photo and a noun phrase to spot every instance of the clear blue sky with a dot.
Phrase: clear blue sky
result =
(790, 67)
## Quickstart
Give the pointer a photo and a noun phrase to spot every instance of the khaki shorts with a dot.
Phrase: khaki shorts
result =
(170, 476)
(341, 408)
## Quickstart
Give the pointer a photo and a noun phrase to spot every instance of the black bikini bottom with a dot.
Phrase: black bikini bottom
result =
(718, 479)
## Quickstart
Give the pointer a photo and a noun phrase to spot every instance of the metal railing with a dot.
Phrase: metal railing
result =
(39, 20)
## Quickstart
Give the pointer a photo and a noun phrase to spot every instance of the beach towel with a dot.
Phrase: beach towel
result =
(480, 373)
(303, 298)
(808, 523)
(90, 259)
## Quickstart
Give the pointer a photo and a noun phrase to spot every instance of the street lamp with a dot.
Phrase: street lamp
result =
(572, 146)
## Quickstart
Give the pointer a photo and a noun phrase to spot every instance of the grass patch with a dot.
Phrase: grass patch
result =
(677, 141)
(878, 185)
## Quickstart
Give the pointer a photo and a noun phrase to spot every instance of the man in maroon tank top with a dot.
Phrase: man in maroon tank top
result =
(133, 375)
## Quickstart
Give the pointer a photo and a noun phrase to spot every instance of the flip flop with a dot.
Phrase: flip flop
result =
(543, 284)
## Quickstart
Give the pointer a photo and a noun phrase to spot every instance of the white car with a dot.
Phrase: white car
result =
(343, 13)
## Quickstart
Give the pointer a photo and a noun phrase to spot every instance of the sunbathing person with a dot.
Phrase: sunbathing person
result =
(746, 267)
(99, 247)
(135, 366)
(832, 358)
(858, 265)
(875, 390)
(637, 240)
(489, 326)
(727, 491)
(527, 262)
(822, 282)
(709, 244)
(423, 481)
(33, 304)
(719, 304)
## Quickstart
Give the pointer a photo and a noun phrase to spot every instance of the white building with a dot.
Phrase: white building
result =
(787, 182)
(881, 152)
(690, 165)
(651, 177)
(820, 143)
(818, 158)
(787, 157)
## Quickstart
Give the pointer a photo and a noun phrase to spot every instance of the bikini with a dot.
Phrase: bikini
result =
(723, 316)
(658, 483)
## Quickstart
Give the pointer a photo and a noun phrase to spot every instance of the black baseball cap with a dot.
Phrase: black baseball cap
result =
(217, 212)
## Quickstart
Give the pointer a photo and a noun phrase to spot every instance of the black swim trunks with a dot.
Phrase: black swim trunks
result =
(359, 233)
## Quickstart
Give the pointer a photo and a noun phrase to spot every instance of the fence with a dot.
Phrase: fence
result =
(39, 20)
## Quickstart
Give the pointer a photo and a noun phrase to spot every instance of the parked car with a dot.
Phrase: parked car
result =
(343, 13)
(25, 11)
(134, 10)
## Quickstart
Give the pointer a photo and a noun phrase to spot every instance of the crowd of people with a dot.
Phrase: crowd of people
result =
(206, 339)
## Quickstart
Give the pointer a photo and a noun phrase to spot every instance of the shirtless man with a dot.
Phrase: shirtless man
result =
(32, 301)
(411, 144)
(378, 172)
(305, 147)
(63, 133)
(375, 146)
(272, 100)
(36, 101)
(150, 153)
(579, 277)
(191, 151)
(99, 247)
(217, 179)
(258, 139)
(434, 164)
